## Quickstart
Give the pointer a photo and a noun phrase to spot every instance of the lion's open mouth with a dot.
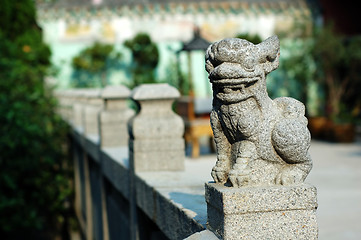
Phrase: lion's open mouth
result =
(229, 86)
(235, 90)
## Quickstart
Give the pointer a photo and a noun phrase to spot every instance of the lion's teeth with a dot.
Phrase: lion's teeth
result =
(228, 90)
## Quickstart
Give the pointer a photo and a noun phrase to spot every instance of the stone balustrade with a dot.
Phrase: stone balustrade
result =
(141, 190)
(147, 189)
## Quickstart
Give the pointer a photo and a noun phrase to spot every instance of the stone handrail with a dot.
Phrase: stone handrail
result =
(146, 188)
(132, 180)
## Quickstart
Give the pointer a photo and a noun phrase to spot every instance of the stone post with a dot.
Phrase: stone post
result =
(67, 99)
(60, 96)
(78, 108)
(93, 106)
(156, 132)
(114, 117)
(262, 149)
(77, 111)
(66, 104)
(73, 96)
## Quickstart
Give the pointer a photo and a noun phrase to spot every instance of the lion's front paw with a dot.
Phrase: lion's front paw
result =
(239, 177)
(238, 180)
(290, 175)
(220, 172)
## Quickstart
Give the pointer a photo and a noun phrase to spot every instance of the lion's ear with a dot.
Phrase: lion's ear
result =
(269, 53)
(209, 66)
(209, 57)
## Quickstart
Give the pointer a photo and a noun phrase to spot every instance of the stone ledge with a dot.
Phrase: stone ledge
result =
(91, 143)
(156, 191)
(115, 167)
(172, 219)
(204, 235)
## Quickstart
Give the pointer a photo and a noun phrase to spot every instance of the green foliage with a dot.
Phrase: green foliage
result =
(255, 39)
(352, 95)
(92, 63)
(331, 60)
(338, 61)
(17, 17)
(296, 71)
(145, 59)
(33, 184)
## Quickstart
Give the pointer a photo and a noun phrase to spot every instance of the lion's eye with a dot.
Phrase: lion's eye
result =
(248, 64)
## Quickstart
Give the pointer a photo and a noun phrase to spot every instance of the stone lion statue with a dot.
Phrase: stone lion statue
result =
(259, 141)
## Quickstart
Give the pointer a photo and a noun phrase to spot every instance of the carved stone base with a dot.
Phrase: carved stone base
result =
(276, 212)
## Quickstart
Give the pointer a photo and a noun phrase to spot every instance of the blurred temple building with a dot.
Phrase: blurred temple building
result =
(71, 25)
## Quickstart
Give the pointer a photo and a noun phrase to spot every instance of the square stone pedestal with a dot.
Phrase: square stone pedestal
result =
(276, 212)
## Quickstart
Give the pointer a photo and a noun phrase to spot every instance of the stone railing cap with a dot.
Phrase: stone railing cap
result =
(115, 92)
(155, 91)
(91, 93)
(72, 92)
